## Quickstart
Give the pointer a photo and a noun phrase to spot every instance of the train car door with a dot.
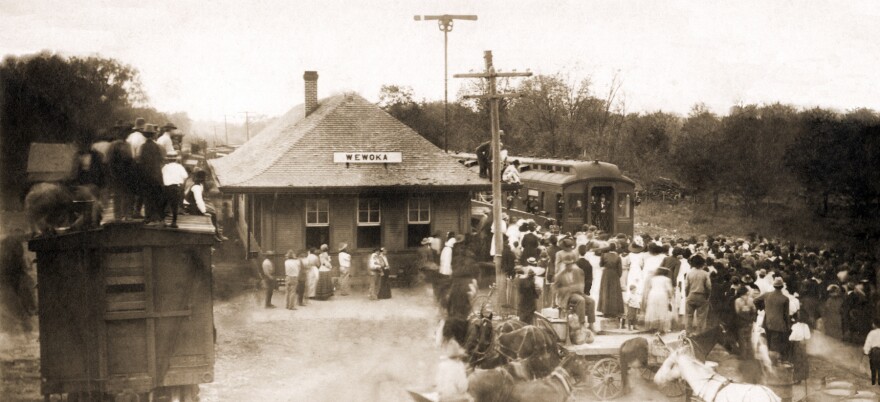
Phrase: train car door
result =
(601, 207)
(624, 208)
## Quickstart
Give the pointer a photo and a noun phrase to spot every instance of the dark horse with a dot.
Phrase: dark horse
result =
(490, 344)
(637, 349)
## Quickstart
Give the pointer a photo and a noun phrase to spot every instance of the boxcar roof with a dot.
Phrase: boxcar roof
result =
(193, 230)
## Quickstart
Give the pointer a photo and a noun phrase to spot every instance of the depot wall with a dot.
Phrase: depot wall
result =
(277, 223)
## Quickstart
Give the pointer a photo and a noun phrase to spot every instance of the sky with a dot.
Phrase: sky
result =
(216, 58)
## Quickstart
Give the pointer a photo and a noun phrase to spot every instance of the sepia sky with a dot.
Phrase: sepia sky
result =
(211, 58)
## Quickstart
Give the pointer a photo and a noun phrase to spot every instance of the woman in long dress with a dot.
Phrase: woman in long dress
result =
(658, 317)
(385, 285)
(610, 293)
(312, 262)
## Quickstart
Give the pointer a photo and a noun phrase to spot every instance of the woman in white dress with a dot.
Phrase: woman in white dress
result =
(658, 316)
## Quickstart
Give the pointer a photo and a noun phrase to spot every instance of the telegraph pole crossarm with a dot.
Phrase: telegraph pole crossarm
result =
(491, 75)
(445, 22)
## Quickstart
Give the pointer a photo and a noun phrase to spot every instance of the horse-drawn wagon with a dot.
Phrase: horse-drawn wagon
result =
(608, 374)
(126, 311)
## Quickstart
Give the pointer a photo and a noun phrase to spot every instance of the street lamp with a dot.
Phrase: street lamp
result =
(445, 23)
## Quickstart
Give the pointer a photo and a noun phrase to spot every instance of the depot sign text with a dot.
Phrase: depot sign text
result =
(367, 157)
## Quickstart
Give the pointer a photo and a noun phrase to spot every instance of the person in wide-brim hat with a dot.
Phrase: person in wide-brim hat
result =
(169, 126)
(343, 246)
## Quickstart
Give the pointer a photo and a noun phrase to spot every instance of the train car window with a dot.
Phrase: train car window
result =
(418, 220)
(534, 202)
(624, 205)
(317, 222)
(566, 170)
(575, 206)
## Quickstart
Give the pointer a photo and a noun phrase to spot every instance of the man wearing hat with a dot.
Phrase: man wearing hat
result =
(165, 139)
(150, 162)
(696, 290)
(344, 269)
(776, 319)
(173, 177)
(136, 138)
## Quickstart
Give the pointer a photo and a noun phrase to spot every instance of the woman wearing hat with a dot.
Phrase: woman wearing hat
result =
(831, 312)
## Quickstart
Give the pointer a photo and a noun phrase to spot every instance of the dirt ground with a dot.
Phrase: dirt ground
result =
(351, 349)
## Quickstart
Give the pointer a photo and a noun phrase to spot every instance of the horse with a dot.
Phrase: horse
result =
(557, 386)
(637, 349)
(708, 385)
(701, 344)
(494, 384)
(528, 341)
(482, 341)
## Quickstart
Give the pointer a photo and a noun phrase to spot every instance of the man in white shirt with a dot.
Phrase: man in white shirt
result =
(511, 173)
(173, 177)
(292, 266)
(194, 202)
(136, 139)
(344, 269)
(165, 139)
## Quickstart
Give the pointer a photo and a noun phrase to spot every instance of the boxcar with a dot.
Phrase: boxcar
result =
(125, 310)
(572, 192)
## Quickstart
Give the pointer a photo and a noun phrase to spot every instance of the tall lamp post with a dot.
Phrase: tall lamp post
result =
(445, 23)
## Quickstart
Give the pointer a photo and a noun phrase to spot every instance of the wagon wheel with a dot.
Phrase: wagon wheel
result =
(605, 379)
(672, 389)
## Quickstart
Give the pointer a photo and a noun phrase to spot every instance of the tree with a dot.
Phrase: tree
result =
(695, 155)
(50, 98)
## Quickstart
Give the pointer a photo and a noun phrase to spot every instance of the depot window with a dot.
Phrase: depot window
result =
(418, 220)
(369, 222)
(317, 223)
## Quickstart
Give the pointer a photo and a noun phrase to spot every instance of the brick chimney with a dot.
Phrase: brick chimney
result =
(311, 79)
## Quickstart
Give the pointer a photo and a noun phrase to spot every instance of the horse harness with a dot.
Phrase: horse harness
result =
(719, 380)
(562, 375)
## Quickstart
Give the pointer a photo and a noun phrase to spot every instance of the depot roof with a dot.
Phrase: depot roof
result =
(295, 154)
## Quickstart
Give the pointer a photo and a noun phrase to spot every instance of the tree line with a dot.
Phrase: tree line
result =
(756, 154)
(47, 97)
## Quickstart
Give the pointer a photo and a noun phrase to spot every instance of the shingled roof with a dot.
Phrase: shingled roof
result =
(295, 154)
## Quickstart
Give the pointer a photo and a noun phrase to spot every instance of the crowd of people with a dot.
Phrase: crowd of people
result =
(760, 288)
(138, 168)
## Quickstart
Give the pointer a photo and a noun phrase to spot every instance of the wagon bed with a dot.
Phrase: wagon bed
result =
(609, 345)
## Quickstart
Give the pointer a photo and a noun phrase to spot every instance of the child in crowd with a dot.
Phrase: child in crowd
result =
(633, 304)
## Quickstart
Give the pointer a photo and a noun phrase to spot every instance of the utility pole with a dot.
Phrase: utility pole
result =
(226, 129)
(445, 23)
(247, 126)
(494, 97)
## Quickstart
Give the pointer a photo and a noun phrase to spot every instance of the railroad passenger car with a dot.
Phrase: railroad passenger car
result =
(572, 192)
(125, 311)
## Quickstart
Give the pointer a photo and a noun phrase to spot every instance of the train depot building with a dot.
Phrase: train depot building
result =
(342, 170)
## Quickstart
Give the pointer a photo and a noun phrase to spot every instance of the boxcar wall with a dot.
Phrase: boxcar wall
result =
(124, 308)
(396, 221)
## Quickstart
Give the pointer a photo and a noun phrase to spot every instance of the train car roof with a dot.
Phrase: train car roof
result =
(576, 170)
